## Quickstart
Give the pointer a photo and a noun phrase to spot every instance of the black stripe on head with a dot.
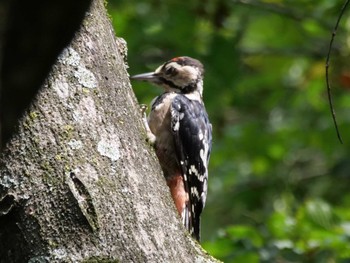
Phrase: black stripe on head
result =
(186, 89)
(169, 83)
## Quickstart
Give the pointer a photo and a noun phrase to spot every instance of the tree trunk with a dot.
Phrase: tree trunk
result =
(79, 182)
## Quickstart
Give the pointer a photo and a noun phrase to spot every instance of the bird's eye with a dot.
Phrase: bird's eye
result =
(171, 71)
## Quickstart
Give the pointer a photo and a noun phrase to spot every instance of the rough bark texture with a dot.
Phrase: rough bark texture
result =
(78, 182)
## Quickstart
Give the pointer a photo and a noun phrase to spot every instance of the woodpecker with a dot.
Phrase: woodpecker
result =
(179, 129)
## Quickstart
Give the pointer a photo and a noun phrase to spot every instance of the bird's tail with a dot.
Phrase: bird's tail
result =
(183, 205)
(191, 223)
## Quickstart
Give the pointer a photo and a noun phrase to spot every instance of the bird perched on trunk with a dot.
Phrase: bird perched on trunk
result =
(180, 131)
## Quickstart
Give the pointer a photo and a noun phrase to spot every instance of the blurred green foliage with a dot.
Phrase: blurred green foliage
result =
(279, 178)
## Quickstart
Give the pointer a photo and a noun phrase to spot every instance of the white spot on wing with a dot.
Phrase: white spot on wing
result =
(204, 152)
(176, 126)
(200, 135)
(194, 192)
(193, 171)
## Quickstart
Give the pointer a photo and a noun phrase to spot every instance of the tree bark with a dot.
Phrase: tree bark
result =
(78, 181)
(32, 34)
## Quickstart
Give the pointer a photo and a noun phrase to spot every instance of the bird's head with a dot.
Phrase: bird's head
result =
(180, 74)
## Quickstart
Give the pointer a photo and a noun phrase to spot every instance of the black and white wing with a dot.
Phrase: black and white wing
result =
(192, 136)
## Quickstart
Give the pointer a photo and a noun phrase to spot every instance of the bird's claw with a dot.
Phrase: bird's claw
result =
(151, 138)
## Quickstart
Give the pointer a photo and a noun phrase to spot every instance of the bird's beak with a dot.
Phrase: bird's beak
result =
(151, 77)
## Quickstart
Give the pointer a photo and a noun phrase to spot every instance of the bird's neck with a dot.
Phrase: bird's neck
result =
(195, 95)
